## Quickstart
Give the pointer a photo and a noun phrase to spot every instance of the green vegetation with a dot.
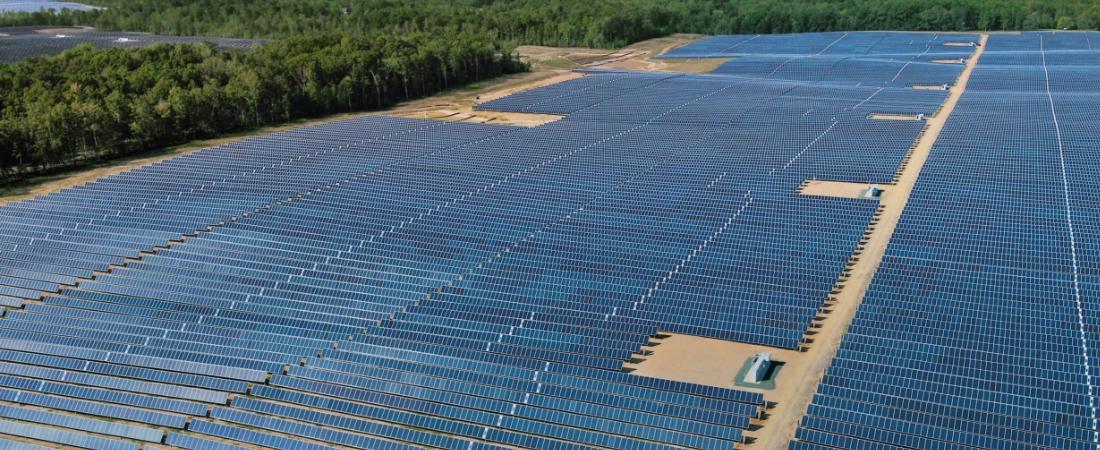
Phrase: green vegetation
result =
(337, 55)
(603, 23)
(89, 104)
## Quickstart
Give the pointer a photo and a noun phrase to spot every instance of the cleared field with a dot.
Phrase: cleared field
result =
(645, 55)
(596, 277)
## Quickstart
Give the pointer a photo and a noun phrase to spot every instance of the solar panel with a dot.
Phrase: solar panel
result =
(20, 43)
(977, 330)
(462, 285)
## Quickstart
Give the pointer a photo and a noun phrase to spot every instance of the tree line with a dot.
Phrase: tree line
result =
(603, 23)
(89, 104)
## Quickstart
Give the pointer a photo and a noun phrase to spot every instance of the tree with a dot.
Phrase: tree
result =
(92, 103)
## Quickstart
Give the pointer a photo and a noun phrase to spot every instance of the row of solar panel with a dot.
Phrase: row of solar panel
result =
(977, 330)
(18, 47)
(389, 388)
(418, 241)
(927, 72)
(607, 97)
(35, 309)
(832, 43)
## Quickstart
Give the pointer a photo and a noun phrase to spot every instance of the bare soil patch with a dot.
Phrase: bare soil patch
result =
(713, 362)
(877, 116)
(839, 189)
(637, 56)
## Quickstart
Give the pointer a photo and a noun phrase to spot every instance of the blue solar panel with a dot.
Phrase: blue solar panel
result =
(832, 43)
(979, 327)
(80, 423)
(461, 285)
(60, 436)
(20, 43)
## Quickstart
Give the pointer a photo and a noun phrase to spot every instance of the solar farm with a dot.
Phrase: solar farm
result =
(907, 221)
(40, 5)
(20, 43)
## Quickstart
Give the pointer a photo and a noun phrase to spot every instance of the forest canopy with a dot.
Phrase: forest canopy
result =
(603, 23)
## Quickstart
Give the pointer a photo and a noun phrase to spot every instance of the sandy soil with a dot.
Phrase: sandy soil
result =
(63, 30)
(839, 189)
(637, 56)
(491, 117)
(893, 117)
(459, 105)
(700, 360)
(660, 46)
(692, 65)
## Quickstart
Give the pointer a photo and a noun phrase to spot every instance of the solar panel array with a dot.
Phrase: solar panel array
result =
(830, 43)
(855, 58)
(347, 225)
(771, 124)
(18, 44)
(399, 283)
(980, 329)
(39, 5)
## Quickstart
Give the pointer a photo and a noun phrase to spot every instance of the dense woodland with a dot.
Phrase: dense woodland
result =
(327, 56)
(589, 23)
(89, 104)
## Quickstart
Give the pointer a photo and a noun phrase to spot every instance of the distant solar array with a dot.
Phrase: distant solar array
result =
(857, 43)
(40, 5)
(398, 283)
(859, 58)
(768, 126)
(18, 44)
(980, 329)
